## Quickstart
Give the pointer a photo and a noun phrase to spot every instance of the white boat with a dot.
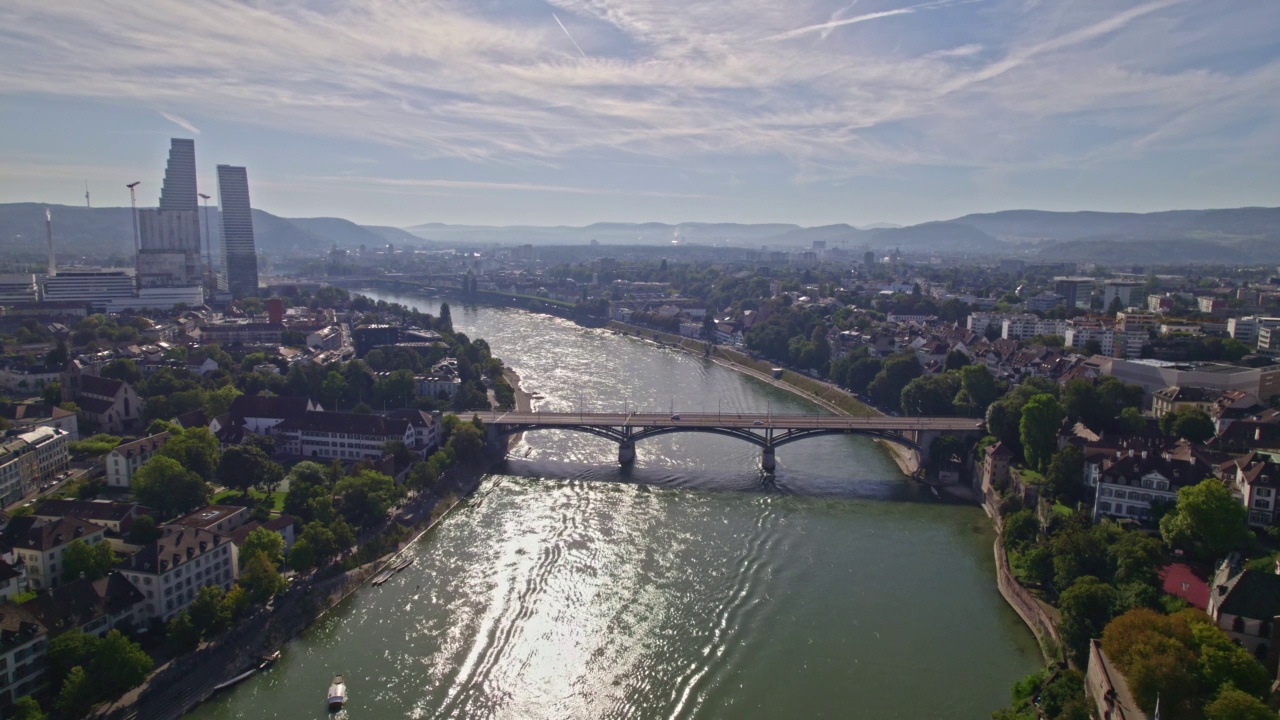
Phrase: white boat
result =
(337, 693)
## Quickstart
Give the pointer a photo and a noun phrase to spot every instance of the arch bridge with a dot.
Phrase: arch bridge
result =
(765, 431)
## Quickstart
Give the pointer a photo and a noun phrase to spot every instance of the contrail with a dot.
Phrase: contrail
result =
(826, 27)
(566, 32)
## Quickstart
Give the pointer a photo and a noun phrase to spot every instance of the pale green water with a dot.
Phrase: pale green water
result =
(689, 586)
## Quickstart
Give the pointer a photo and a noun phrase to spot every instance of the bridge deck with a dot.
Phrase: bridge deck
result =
(736, 420)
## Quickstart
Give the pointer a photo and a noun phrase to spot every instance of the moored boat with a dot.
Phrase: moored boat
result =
(337, 693)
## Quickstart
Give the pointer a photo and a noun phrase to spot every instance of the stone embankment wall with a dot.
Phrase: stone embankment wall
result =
(1035, 614)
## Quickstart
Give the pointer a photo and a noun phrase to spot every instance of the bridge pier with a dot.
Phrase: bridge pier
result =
(767, 461)
(626, 452)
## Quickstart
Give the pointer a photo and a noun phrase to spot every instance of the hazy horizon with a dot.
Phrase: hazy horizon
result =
(571, 112)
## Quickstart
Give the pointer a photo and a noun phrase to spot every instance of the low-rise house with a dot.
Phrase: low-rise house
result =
(13, 579)
(40, 544)
(23, 652)
(223, 519)
(95, 606)
(29, 416)
(111, 405)
(125, 459)
(426, 428)
(1256, 483)
(171, 570)
(1244, 604)
(1174, 399)
(116, 517)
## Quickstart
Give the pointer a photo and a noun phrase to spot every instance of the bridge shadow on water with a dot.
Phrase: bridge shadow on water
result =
(781, 482)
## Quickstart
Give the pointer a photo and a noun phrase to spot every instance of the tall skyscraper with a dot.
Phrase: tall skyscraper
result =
(239, 254)
(179, 191)
(170, 235)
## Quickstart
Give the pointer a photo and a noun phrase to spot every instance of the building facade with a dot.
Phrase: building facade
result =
(123, 461)
(239, 251)
(171, 570)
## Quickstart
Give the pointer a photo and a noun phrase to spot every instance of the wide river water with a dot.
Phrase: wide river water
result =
(690, 585)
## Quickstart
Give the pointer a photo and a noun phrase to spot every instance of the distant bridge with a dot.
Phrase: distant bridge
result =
(765, 431)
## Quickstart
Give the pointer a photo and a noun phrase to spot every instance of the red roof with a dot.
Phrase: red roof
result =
(1180, 580)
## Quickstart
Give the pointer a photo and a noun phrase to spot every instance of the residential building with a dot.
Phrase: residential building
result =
(23, 654)
(171, 570)
(31, 415)
(123, 461)
(1111, 343)
(1256, 483)
(425, 426)
(1022, 327)
(94, 606)
(1075, 291)
(1135, 322)
(368, 337)
(13, 577)
(239, 252)
(27, 379)
(1210, 304)
(1045, 301)
(240, 331)
(347, 436)
(257, 414)
(1174, 398)
(18, 469)
(40, 545)
(222, 519)
(1122, 290)
(1245, 329)
(326, 338)
(1244, 604)
(116, 517)
(52, 456)
(1129, 485)
(436, 383)
(113, 406)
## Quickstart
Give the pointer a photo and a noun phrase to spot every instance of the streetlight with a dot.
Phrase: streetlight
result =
(133, 204)
(208, 242)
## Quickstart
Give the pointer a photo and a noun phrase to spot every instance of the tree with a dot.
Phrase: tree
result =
(119, 665)
(886, 389)
(245, 466)
(261, 579)
(265, 541)
(445, 320)
(182, 634)
(1020, 530)
(69, 649)
(955, 360)
(467, 443)
(91, 561)
(365, 497)
(928, 395)
(76, 696)
(218, 402)
(26, 708)
(235, 602)
(161, 483)
(208, 614)
(980, 386)
(1086, 610)
(308, 480)
(1066, 474)
(1206, 520)
(1194, 424)
(1233, 704)
(1038, 430)
(1131, 421)
(195, 449)
(301, 555)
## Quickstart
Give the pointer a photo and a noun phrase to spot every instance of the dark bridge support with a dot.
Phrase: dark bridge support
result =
(767, 461)
(626, 452)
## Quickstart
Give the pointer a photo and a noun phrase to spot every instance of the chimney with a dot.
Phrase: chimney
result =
(53, 259)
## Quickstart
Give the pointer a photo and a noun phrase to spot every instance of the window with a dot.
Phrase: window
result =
(1237, 624)
(1104, 506)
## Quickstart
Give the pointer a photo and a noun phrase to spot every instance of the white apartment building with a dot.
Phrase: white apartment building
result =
(122, 462)
(171, 570)
(1114, 343)
(1022, 327)
(347, 436)
(52, 456)
(23, 650)
(40, 544)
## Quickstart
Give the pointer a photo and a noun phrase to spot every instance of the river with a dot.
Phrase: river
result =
(687, 586)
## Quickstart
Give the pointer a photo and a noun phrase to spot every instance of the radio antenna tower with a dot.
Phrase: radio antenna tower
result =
(86, 194)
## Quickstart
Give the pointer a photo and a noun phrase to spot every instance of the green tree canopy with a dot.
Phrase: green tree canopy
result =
(1207, 520)
(165, 485)
(267, 542)
(195, 449)
(245, 466)
(1038, 430)
(91, 561)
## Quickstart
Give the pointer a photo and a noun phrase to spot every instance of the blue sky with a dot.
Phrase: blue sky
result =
(576, 111)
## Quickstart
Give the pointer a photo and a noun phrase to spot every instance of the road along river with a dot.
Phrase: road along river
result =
(690, 585)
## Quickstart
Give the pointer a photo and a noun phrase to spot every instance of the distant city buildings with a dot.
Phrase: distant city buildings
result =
(170, 252)
(239, 253)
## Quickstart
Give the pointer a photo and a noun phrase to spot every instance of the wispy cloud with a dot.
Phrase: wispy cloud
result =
(482, 185)
(180, 122)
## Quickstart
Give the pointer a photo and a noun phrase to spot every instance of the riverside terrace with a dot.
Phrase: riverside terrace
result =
(767, 431)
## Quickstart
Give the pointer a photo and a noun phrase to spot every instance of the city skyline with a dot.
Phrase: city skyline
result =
(572, 113)
(239, 252)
